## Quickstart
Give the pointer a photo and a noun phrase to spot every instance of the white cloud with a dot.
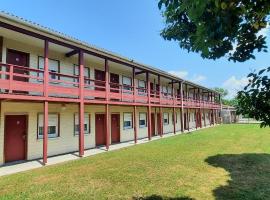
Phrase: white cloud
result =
(180, 74)
(184, 74)
(198, 78)
(233, 85)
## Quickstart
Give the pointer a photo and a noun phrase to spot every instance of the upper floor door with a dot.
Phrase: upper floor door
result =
(20, 59)
(100, 80)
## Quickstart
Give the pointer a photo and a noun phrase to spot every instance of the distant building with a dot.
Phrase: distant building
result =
(228, 114)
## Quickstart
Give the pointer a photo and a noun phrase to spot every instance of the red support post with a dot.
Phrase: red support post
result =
(46, 103)
(161, 121)
(107, 105)
(107, 126)
(134, 84)
(45, 131)
(81, 104)
(135, 124)
(182, 106)
(149, 107)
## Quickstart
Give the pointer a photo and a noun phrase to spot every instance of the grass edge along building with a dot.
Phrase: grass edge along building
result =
(61, 95)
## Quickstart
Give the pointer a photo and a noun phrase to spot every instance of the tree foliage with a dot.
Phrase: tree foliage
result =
(254, 100)
(224, 92)
(217, 28)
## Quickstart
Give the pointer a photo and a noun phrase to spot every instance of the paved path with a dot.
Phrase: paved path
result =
(16, 167)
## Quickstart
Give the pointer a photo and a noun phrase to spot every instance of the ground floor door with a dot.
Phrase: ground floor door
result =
(100, 129)
(159, 128)
(15, 137)
(115, 128)
(153, 124)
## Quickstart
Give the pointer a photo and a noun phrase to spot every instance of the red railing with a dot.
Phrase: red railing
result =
(29, 81)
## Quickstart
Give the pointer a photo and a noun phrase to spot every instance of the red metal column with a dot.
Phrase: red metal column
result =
(134, 84)
(107, 104)
(135, 124)
(46, 103)
(81, 104)
(187, 119)
(196, 118)
(149, 107)
(174, 117)
(45, 131)
(182, 106)
(161, 121)
(107, 115)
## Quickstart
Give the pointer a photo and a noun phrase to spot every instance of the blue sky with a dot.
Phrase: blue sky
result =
(131, 28)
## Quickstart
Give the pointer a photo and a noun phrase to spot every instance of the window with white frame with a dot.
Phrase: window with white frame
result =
(53, 66)
(165, 118)
(142, 120)
(142, 84)
(165, 90)
(87, 128)
(53, 125)
(127, 83)
(86, 74)
(127, 120)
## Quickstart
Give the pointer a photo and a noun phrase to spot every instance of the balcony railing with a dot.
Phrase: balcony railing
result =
(29, 81)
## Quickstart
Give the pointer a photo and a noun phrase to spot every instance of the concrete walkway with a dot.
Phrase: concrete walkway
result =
(16, 167)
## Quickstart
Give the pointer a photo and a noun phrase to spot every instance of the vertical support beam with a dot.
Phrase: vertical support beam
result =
(174, 121)
(188, 119)
(134, 85)
(196, 118)
(149, 106)
(204, 118)
(161, 121)
(159, 89)
(182, 106)
(45, 131)
(46, 103)
(107, 115)
(149, 122)
(135, 124)
(81, 104)
(46, 69)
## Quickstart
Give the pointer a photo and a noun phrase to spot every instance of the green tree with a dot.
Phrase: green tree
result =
(224, 28)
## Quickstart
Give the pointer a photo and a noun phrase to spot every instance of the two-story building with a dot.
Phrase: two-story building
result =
(60, 95)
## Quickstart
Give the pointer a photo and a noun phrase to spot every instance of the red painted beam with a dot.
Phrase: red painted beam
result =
(45, 131)
(81, 105)
(135, 124)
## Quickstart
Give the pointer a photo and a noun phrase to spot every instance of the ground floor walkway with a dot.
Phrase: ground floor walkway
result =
(16, 167)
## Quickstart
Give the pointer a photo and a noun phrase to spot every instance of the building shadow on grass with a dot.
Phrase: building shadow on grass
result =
(158, 197)
(249, 176)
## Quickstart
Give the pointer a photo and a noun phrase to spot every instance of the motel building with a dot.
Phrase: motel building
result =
(60, 95)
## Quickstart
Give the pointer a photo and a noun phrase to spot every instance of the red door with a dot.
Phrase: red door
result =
(15, 137)
(159, 124)
(100, 77)
(114, 82)
(100, 129)
(115, 128)
(153, 124)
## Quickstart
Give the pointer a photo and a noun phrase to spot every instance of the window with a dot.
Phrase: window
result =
(126, 83)
(142, 120)
(127, 120)
(86, 73)
(54, 66)
(141, 84)
(86, 124)
(164, 90)
(165, 118)
(53, 126)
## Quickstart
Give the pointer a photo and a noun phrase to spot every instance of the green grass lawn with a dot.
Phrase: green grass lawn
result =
(224, 162)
